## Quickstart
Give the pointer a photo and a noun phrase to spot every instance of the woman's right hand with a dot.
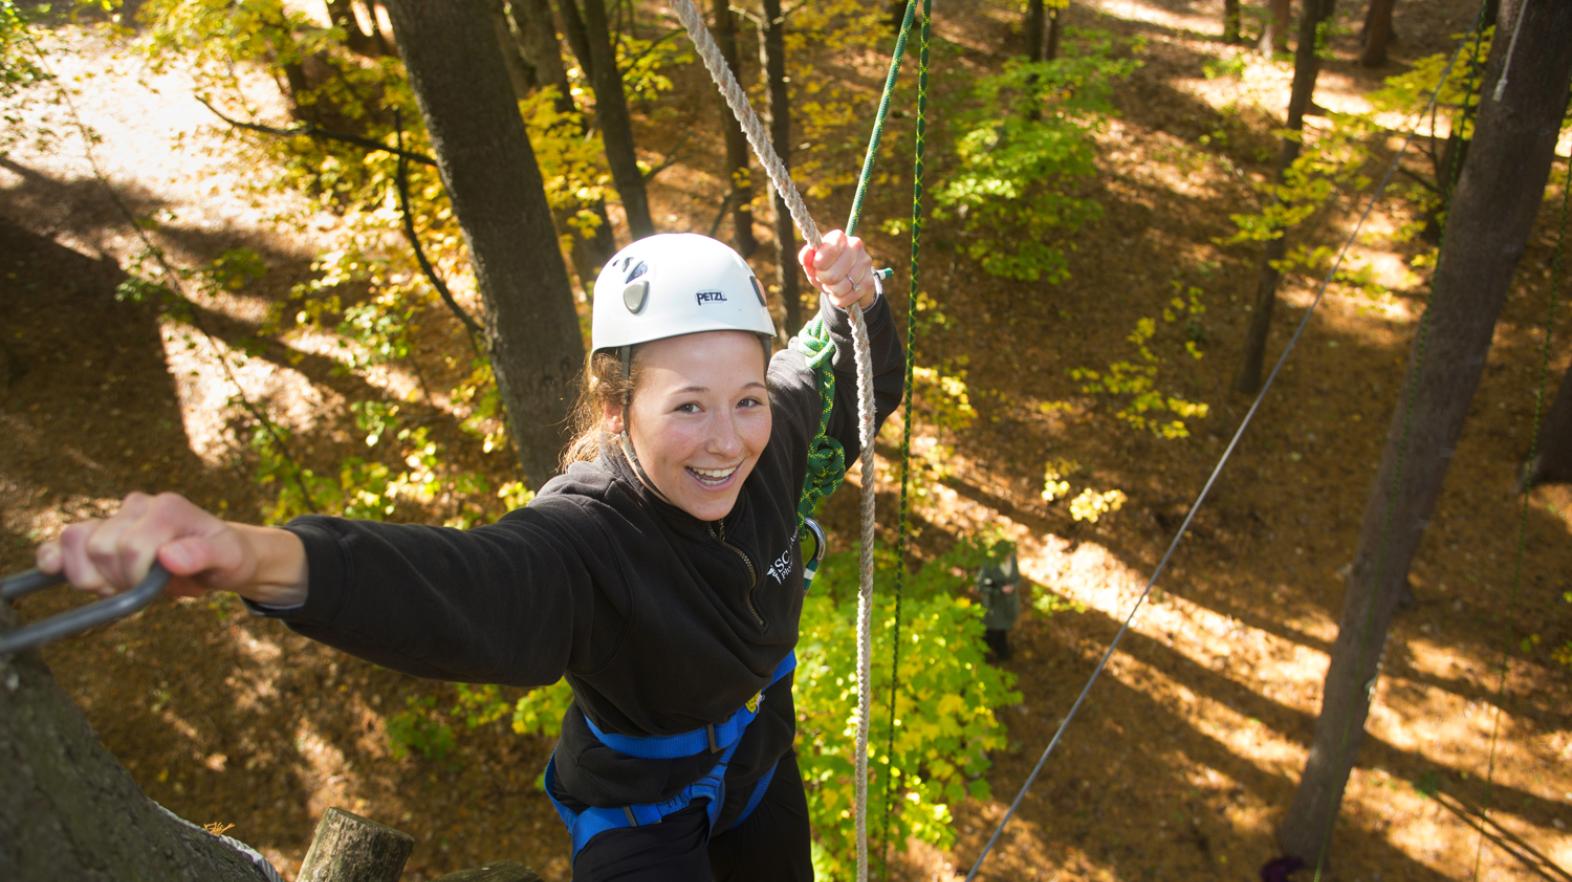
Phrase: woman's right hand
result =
(201, 552)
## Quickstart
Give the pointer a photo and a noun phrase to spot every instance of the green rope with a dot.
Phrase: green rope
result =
(878, 118)
(906, 413)
(826, 456)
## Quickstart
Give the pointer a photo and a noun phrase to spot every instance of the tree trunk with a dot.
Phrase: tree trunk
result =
(536, 32)
(1274, 36)
(1377, 33)
(1553, 462)
(489, 169)
(1231, 32)
(1055, 28)
(537, 37)
(578, 37)
(737, 174)
(1498, 197)
(1307, 65)
(1033, 36)
(772, 57)
(69, 810)
(611, 109)
(359, 40)
(521, 73)
(349, 848)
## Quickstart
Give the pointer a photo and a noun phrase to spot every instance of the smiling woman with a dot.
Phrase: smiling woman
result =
(659, 573)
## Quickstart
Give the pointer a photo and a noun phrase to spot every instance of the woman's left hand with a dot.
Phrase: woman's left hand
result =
(841, 268)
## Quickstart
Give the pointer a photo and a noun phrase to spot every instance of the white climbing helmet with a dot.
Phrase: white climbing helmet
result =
(672, 284)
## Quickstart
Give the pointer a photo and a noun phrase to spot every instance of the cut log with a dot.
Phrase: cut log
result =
(349, 848)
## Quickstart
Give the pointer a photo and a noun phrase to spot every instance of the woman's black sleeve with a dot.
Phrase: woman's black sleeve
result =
(514, 602)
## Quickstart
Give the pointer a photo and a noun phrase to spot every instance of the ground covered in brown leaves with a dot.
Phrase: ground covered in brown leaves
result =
(1189, 747)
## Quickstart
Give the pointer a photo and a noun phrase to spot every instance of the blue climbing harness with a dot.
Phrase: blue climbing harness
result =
(720, 738)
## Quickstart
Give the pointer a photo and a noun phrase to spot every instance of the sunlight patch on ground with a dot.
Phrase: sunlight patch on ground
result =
(1147, 13)
(207, 396)
(1023, 852)
(325, 761)
(396, 381)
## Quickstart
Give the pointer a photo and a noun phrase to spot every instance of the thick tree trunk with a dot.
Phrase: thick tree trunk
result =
(616, 126)
(1274, 35)
(69, 810)
(1553, 463)
(489, 169)
(1377, 34)
(1231, 33)
(772, 57)
(1032, 38)
(737, 174)
(1307, 66)
(1500, 192)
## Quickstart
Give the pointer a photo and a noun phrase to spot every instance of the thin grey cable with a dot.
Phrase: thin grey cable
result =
(1184, 527)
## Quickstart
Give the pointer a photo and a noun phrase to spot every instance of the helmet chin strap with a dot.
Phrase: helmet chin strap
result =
(625, 444)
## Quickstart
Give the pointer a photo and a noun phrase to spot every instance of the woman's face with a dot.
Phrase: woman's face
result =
(699, 418)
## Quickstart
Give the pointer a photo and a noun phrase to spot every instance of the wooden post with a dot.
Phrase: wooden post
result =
(501, 871)
(349, 848)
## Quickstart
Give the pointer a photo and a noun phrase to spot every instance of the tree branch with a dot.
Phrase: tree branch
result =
(311, 130)
(401, 179)
(672, 158)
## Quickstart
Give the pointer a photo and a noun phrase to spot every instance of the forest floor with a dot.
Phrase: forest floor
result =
(1188, 749)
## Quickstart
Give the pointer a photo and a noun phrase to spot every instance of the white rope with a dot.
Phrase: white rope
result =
(780, 177)
(1506, 66)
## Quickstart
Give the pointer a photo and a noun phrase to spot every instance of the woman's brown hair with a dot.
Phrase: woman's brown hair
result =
(603, 382)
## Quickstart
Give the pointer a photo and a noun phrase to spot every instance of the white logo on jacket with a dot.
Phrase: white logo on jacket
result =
(781, 567)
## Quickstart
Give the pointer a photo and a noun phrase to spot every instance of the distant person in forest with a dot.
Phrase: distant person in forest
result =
(660, 573)
(998, 584)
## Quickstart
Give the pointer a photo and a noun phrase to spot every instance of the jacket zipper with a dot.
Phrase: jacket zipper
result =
(719, 532)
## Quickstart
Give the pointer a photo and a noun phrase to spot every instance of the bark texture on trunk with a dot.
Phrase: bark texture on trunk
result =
(737, 155)
(1498, 196)
(349, 848)
(616, 126)
(489, 169)
(772, 52)
(69, 810)
(1307, 66)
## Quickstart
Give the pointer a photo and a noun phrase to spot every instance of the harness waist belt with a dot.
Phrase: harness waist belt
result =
(713, 738)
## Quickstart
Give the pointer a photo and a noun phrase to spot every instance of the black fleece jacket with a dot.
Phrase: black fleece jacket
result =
(661, 623)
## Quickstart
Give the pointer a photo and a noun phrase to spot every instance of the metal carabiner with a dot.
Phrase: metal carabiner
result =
(810, 566)
(73, 621)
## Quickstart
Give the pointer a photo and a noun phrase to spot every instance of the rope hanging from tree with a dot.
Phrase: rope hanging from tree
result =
(780, 178)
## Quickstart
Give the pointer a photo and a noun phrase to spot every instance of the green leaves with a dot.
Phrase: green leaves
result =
(946, 699)
(1024, 151)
